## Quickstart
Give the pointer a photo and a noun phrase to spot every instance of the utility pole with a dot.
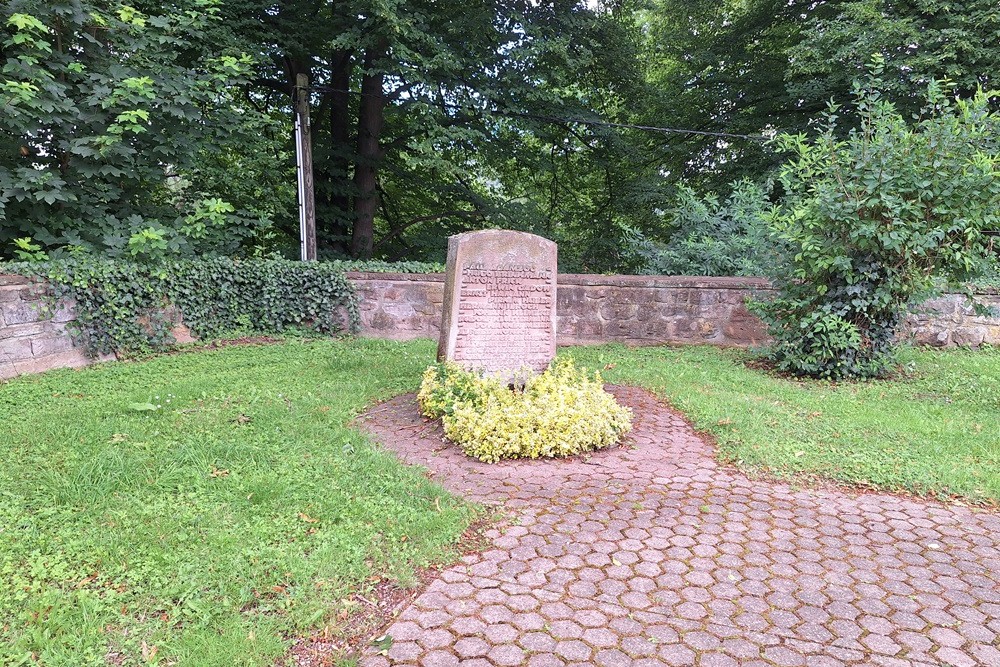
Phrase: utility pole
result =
(304, 164)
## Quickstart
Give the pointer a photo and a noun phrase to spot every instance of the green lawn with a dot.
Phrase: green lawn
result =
(244, 510)
(241, 512)
(936, 430)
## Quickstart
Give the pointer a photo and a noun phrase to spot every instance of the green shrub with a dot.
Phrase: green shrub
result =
(560, 412)
(125, 308)
(380, 266)
(875, 221)
(712, 237)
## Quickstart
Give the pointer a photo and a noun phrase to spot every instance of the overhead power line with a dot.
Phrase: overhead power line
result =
(563, 120)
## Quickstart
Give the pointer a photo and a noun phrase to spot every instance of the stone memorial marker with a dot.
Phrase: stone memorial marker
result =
(499, 302)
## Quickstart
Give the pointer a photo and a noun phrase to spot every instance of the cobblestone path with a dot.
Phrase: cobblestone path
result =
(654, 554)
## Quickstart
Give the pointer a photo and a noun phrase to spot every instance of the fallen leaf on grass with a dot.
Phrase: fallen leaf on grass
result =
(308, 519)
(148, 652)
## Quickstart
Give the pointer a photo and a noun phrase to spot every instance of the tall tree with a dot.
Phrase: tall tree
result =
(917, 41)
(758, 67)
(411, 98)
(719, 68)
(105, 109)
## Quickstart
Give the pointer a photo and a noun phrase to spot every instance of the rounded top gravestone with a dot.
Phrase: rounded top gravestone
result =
(499, 302)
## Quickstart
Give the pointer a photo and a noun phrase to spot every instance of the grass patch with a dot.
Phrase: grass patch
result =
(209, 529)
(201, 508)
(934, 431)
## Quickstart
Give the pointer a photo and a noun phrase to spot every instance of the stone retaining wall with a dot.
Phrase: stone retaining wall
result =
(951, 321)
(32, 339)
(635, 310)
(648, 310)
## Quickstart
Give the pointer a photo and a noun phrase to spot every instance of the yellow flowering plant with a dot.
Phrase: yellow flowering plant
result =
(560, 412)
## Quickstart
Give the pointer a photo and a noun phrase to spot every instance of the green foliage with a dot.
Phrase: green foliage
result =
(920, 41)
(107, 112)
(129, 308)
(454, 95)
(446, 385)
(26, 250)
(560, 412)
(202, 509)
(719, 66)
(378, 266)
(934, 430)
(990, 278)
(712, 237)
(872, 220)
(764, 66)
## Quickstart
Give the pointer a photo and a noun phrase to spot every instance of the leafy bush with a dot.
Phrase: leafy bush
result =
(713, 237)
(560, 412)
(120, 130)
(128, 308)
(990, 278)
(379, 266)
(874, 220)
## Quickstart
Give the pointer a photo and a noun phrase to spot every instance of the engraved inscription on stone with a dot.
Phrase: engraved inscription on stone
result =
(500, 300)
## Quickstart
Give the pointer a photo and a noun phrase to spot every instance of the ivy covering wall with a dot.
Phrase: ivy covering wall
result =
(128, 308)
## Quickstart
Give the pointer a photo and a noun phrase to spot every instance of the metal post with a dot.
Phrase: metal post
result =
(303, 161)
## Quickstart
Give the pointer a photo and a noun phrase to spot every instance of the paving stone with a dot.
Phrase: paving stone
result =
(439, 659)
(467, 625)
(677, 655)
(612, 658)
(573, 649)
(471, 647)
(654, 554)
(537, 642)
(501, 633)
(507, 655)
(545, 660)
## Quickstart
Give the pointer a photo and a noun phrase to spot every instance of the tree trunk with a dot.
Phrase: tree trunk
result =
(340, 132)
(333, 176)
(369, 153)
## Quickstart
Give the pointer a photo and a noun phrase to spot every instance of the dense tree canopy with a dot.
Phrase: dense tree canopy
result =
(440, 94)
(919, 41)
(112, 114)
(150, 129)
